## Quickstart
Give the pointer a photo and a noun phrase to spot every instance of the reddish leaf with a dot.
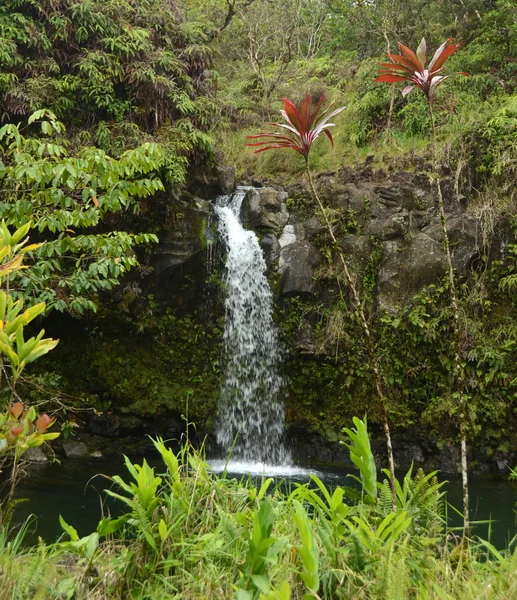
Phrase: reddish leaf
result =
(438, 52)
(43, 422)
(411, 55)
(449, 51)
(391, 78)
(16, 410)
(394, 66)
(302, 128)
(398, 58)
(16, 430)
(293, 116)
(329, 135)
(411, 68)
(306, 114)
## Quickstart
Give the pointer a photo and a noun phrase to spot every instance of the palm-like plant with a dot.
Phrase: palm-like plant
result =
(301, 130)
(410, 67)
(303, 127)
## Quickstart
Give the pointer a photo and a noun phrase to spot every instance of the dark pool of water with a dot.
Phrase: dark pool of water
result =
(75, 491)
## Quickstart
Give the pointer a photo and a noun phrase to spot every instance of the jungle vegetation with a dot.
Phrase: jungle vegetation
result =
(107, 110)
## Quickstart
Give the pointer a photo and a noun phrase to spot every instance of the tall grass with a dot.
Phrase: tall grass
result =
(192, 535)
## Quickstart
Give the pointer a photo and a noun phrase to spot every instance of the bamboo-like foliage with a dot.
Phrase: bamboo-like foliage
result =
(362, 457)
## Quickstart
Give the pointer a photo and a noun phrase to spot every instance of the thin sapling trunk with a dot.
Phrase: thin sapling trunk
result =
(374, 363)
(458, 367)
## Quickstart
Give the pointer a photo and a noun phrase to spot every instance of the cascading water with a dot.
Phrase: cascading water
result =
(251, 396)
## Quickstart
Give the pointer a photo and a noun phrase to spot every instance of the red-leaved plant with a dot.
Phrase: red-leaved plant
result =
(301, 130)
(21, 429)
(410, 67)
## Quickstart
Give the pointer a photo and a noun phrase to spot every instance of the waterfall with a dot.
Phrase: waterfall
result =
(253, 386)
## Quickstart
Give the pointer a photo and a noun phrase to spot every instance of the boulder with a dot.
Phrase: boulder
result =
(75, 450)
(270, 247)
(35, 455)
(226, 179)
(265, 208)
(464, 239)
(406, 267)
(103, 424)
(297, 264)
(179, 268)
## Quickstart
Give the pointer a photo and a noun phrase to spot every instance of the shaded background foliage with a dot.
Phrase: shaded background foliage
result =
(185, 77)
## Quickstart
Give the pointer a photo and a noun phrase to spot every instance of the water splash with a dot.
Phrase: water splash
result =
(252, 393)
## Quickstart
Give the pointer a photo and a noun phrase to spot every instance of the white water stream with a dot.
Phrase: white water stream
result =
(250, 423)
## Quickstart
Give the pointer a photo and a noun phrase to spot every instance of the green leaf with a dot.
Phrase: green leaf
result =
(162, 530)
(261, 582)
(74, 537)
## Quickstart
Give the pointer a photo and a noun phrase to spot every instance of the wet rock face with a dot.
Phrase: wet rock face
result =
(264, 208)
(179, 268)
(297, 264)
(400, 211)
(225, 177)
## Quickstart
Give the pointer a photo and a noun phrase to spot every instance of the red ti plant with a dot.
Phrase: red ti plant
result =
(301, 130)
(299, 133)
(410, 67)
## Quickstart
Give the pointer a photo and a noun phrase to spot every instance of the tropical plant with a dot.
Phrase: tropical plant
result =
(117, 70)
(68, 197)
(303, 127)
(132, 83)
(308, 550)
(218, 537)
(20, 427)
(263, 550)
(410, 67)
(18, 351)
(362, 457)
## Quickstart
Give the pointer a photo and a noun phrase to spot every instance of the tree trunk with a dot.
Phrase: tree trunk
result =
(458, 367)
(374, 363)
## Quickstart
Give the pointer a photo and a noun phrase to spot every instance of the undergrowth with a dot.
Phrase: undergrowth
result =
(190, 534)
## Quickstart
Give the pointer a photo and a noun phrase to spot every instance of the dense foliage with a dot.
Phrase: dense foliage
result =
(105, 108)
(131, 78)
(187, 532)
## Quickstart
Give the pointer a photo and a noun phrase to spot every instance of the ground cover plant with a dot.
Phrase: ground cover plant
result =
(187, 533)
